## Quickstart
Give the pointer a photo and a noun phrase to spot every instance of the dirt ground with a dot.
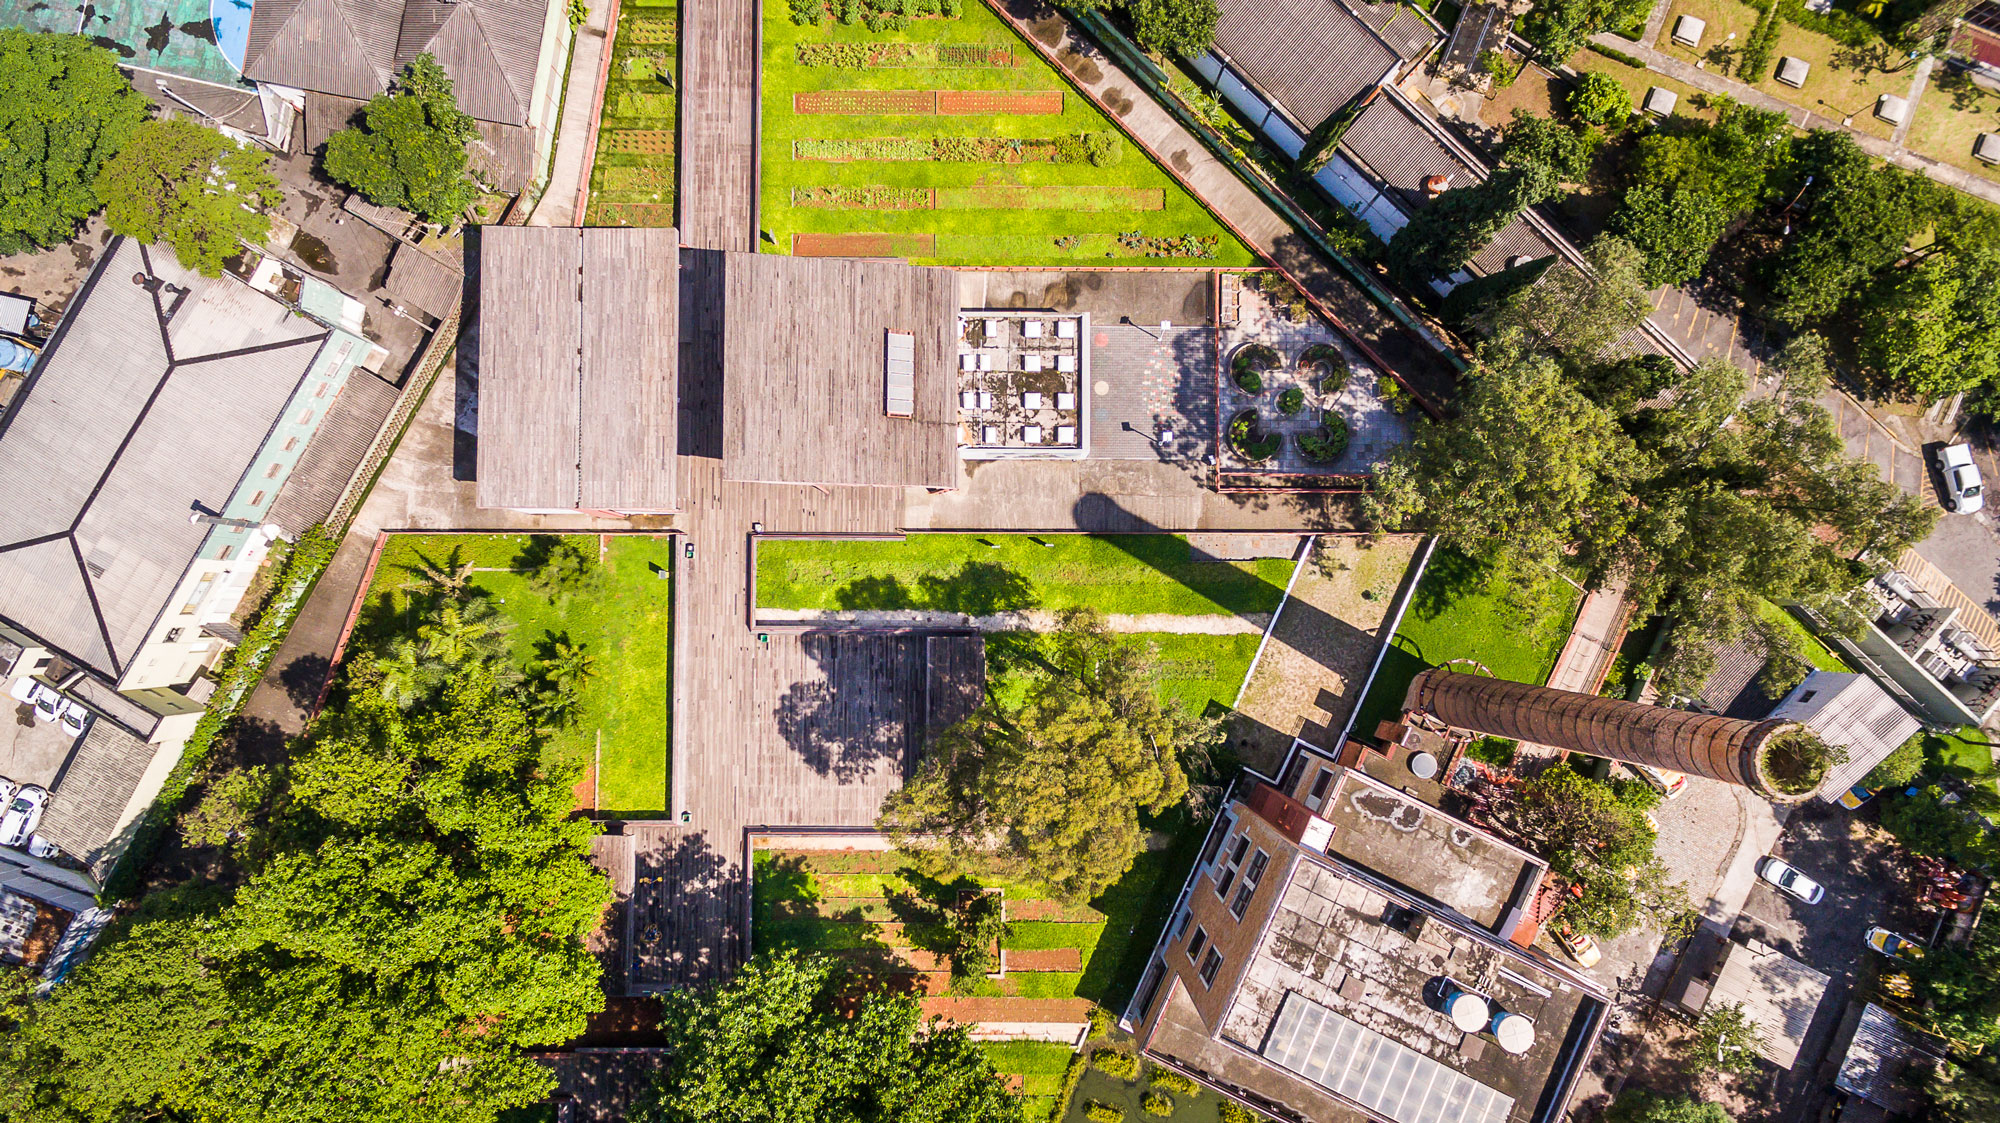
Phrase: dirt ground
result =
(1317, 660)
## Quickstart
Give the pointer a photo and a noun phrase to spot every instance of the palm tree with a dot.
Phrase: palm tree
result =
(409, 674)
(462, 632)
(568, 665)
(447, 580)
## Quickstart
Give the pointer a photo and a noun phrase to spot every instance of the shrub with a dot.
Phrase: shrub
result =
(1249, 440)
(1100, 1020)
(975, 929)
(808, 12)
(1174, 1082)
(1614, 53)
(1393, 395)
(1325, 446)
(1102, 1113)
(1598, 100)
(1158, 1103)
(1291, 402)
(1496, 63)
(1124, 1066)
(1900, 766)
(1103, 149)
(1756, 53)
(1254, 356)
(1496, 751)
(1227, 1112)
(1843, 27)
(1249, 381)
(1071, 1077)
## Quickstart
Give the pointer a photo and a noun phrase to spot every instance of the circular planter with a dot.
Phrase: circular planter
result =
(1248, 364)
(1327, 444)
(1291, 402)
(1250, 440)
(1323, 365)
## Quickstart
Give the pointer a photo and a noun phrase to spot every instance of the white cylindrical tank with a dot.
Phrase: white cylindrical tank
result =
(1515, 1032)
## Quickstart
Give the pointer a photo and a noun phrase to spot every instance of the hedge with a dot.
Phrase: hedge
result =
(1098, 1112)
(1158, 1103)
(1124, 1066)
(1614, 53)
(1174, 1082)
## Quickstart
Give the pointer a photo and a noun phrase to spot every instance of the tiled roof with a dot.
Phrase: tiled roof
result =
(1313, 56)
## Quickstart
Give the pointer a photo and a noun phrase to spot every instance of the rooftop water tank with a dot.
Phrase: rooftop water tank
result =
(1423, 766)
(1468, 1011)
(14, 356)
(1515, 1032)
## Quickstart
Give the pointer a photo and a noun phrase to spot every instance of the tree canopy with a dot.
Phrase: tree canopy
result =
(1559, 28)
(1933, 329)
(1442, 237)
(412, 918)
(1598, 99)
(1688, 180)
(1052, 784)
(785, 1042)
(1636, 1105)
(410, 151)
(1725, 1040)
(1563, 150)
(1855, 218)
(1596, 835)
(64, 111)
(191, 187)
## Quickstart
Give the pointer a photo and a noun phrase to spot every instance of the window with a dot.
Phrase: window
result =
(321, 392)
(1210, 966)
(291, 443)
(1180, 929)
(1252, 875)
(1195, 944)
(199, 594)
(1223, 881)
(1215, 841)
(257, 500)
(174, 634)
(1227, 876)
(306, 418)
(1320, 783)
(271, 473)
(227, 550)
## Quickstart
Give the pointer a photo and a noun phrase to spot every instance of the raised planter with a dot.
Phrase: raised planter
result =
(1323, 365)
(1326, 445)
(1250, 440)
(1249, 363)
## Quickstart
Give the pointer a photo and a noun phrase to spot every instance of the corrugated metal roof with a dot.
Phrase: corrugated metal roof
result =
(1779, 996)
(1882, 1051)
(1313, 56)
(1854, 713)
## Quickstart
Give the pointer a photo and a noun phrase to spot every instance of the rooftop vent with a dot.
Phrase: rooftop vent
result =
(899, 374)
(1434, 185)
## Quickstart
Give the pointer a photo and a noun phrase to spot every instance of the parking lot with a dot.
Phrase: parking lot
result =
(1866, 884)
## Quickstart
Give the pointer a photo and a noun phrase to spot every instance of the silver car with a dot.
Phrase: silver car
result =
(1790, 880)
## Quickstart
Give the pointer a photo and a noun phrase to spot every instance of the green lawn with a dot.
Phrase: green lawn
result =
(1115, 573)
(624, 621)
(1961, 753)
(1025, 214)
(1101, 1087)
(632, 180)
(1462, 610)
(1040, 1065)
(1818, 654)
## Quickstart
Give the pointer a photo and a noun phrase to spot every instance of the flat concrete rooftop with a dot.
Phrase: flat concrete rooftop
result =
(1426, 851)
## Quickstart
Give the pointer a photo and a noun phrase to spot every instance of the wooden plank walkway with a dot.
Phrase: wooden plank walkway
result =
(721, 41)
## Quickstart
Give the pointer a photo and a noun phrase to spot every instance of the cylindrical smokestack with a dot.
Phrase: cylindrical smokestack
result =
(1720, 748)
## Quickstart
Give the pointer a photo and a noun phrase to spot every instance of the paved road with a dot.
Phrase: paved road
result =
(1862, 872)
(1967, 547)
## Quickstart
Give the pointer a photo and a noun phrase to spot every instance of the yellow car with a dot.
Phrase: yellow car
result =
(1894, 946)
(1579, 946)
(1855, 796)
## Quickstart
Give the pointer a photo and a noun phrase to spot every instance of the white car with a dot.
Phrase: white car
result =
(24, 813)
(1788, 879)
(74, 718)
(42, 848)
(1964, 492)
(48, 704)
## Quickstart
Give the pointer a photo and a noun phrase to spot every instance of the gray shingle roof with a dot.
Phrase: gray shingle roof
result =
(1313, 56)
(127, 421)
(86, 811)
(354, 48)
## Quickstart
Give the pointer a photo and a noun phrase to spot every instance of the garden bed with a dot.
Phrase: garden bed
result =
(623, 619)
(633, 178)
(963, 109)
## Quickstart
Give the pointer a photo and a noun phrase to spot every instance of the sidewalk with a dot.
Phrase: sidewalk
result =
(1593, 642)
(1803, 118)
(1218, 187)
(576, 134)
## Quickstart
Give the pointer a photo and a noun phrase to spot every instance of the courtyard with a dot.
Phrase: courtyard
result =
(943, 138)
(620, 614)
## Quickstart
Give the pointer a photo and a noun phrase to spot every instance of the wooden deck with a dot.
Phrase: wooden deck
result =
(721, 41)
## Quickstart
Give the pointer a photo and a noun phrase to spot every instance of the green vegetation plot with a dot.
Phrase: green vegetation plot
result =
(967, 236)
(625, 622)
(1116, 574)
(1818, 654)
(1465, 610)
(633, 178)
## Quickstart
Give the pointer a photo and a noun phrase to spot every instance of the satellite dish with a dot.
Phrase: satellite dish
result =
(1468, 1011)
(1423, 765)
(1515, 1033)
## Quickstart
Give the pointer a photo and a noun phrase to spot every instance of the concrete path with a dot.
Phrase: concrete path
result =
(1917, 83)
(1415, 356)
(1035, 620)
(1803, 118)
(1593, 642)
(562, 203)
(1655, 21)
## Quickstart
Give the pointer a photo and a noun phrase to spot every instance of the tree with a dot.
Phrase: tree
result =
(1900, 766)
(568, 665)
(447, 579)
(1855, 218)
(1725, 1041)
(1933, 330)
(782, 1043)
(1182, 27)
(64, 110)
(1575, 315)
(1925, 824)
(1676, 228)
(1598, 99)
(1055, 783)
(556, 564)
(1559, 28)
(1597, 837)
(1442, 237)
(232, 806)
(464, 632)
(1636, 1105)
(1536, 141)
(1964, 1094)
(417, 922)
(191, 187)
(1528, 467)
(974, 929)
(410, 151)
(410, 674)
(1960, 986)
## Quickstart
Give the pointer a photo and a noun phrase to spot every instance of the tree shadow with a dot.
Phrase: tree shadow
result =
(864, 593)
(683, 919)
(1450, 577)
(977, 588)
(534, 554)
(867, 711)
(303, 678)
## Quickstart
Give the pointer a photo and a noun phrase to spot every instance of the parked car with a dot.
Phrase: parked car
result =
(1790, 880)
(1670, 784)
(42, 848)
(1855, 796)
(74, 718)
(1579, 946)
(1893, 945)
(1964, 492)
(24, 813)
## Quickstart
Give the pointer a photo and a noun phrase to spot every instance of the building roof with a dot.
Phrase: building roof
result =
(1312, 56)
(1779, 996)
(423, 281)
(1408, 31)
(1852, 713)
(1399, 147)
(1732, 689)
(1350, 951)
(151, 399)
(354, 48)
(88, 802)
(1883, 1050)
(578, 367)
(805, 347)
